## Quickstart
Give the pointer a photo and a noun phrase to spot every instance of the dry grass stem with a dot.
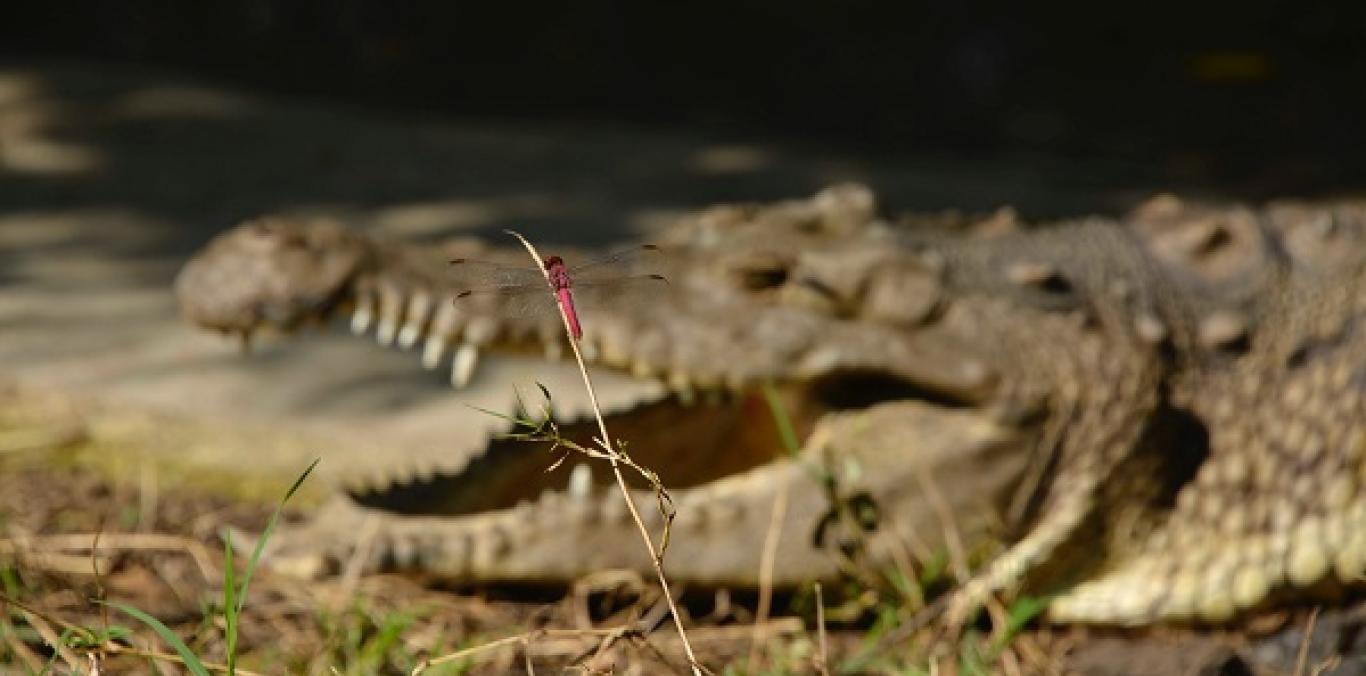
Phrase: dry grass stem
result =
(766, 560)
(60, 564)
(1010, 666)
(1329, 665)
(523, 638)
(50, 547)
(1302, 658)
(615, 457)
(116, 648)
(953, 537)
(51, 638)
(549, 641)
(823, 648)
(17, 646)
(350, 578)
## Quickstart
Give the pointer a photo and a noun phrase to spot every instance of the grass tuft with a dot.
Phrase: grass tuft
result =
(234, 597)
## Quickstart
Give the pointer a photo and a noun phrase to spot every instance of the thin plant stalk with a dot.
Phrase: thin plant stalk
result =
(613, 458)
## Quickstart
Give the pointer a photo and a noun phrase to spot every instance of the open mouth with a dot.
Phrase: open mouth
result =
(723, 382)
(688, 443)
(723, 361)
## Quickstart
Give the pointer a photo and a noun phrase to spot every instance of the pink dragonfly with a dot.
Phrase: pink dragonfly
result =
(522, 290)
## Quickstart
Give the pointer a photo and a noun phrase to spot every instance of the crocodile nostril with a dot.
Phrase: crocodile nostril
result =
(761, 279)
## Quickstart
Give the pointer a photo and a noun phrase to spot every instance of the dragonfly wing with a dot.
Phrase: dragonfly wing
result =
(620, 263)
(481, 274)
(509, 301)
(621, 290)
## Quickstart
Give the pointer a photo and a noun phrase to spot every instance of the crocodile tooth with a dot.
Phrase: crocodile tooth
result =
(390, 309)
(462, 366)
(686, 396)
(364, 314)
(641, 369)
(445, 324)
(682, 388)
(580, 481)
(419, 310)
(614, 355)
(432, 350)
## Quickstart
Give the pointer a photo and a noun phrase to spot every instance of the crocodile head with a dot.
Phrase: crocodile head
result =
(893, 371)
(271, 272)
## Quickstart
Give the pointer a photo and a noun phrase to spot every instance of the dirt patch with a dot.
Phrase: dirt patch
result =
(373, 624)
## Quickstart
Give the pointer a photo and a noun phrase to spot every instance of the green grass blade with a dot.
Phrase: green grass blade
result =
(230, 607)
(265, 535)
(786, 432)
(1021, 613)
(191, 660)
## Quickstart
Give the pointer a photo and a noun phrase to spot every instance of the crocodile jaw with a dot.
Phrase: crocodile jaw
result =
(721, 527)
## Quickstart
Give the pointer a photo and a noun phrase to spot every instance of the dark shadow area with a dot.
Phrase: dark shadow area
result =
(567, 122)
(1260, 96)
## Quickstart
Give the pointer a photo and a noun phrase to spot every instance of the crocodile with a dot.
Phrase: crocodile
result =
(1163, 411)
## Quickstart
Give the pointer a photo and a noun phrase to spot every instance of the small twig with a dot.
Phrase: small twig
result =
(61, 564)
(521, 638)
(99, 579)
(66, 626)
(953, 538)
(615, 458)
(1010, 665)
(41, 621)
(369, 530)
(1327, 665)
(823, 650)
(118, 648)
(24, 546)
(1302, 659)
(51, 638)
(18, 647)
(766, 560)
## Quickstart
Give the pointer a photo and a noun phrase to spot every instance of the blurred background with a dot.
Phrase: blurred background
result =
(1059, 110)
